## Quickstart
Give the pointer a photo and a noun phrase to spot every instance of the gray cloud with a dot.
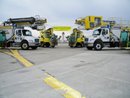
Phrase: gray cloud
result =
(64, 11)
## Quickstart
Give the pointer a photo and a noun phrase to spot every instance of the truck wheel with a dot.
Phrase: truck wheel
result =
(71, 46)
(47, 45)
(53, 46)
(24, 45)
(34, 47)
(89, 48)
(79, 45)
(42, 44)
(98, 46)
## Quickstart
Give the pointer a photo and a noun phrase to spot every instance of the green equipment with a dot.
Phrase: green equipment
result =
(125, 37)
(2, 38)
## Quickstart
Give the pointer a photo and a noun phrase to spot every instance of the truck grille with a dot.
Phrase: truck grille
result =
(36, 40)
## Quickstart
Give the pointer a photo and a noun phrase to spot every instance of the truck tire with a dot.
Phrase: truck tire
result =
(98, 46)
(47, 44)
(34, 47)
(42, 44)
(78, 45)
(89, 48)
(24, 45)
(71, 46)
(53, 46)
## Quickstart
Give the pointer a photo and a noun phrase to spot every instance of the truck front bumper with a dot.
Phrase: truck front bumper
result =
(89, 44)
(34, 44)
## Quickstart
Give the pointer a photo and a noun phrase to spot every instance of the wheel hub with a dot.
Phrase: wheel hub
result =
(98, 46)
(25, 46)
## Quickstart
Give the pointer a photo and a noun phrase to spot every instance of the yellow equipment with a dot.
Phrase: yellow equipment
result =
(48, 38)
(90, 22)
(76, 39)
(61, 28)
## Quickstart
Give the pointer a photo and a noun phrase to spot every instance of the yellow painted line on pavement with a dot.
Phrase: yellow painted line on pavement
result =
(65, 90)
(68, 92)
(21, 59)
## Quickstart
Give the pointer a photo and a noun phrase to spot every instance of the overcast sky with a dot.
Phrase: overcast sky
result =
(64, 11)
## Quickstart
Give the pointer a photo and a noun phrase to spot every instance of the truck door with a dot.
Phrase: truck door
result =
(18, 36)
(105, 35)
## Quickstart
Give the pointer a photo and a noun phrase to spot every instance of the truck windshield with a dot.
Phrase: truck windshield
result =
(27, 33)
(97, 32)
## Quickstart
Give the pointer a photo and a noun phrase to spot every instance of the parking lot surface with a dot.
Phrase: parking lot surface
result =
(94, 74)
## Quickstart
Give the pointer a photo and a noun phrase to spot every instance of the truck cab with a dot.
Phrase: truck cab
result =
(101, 37)
(25, 39)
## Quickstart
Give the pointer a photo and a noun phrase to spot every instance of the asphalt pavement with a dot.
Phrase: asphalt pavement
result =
(94, 74)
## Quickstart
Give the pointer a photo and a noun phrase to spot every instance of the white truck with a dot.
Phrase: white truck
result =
(18, 37)
(102, 37)
(13, 32)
